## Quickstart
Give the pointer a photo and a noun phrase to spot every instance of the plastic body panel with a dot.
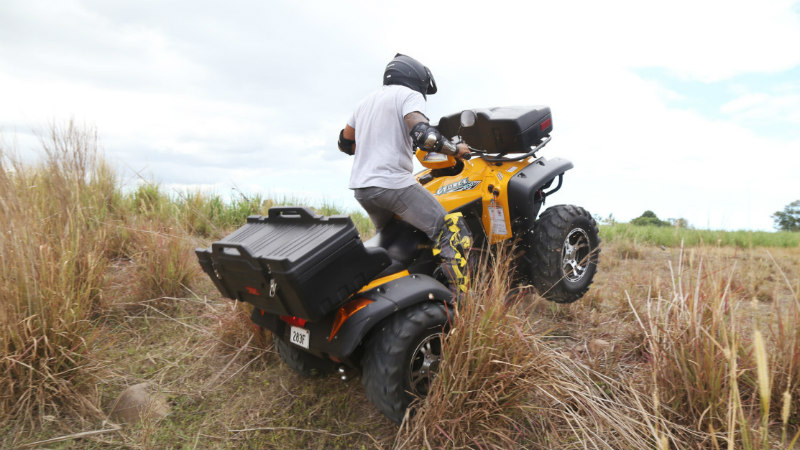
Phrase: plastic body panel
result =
(502, 129)
(433, 160)
(388, 298)
(483, 184)
(292, 262)
(524, 186)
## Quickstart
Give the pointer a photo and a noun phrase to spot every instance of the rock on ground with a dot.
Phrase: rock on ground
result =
(138, 402)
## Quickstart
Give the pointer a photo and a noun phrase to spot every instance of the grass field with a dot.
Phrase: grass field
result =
(674, 346)
(673, 237)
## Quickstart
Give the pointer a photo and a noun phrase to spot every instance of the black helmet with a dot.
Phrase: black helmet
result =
(407, 71)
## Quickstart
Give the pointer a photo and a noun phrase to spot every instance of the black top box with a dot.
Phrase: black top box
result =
(504, 129)
(292, 262)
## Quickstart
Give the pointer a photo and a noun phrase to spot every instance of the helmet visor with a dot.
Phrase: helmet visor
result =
(431, 82)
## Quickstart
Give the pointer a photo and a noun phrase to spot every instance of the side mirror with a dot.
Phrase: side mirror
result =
(468, 118)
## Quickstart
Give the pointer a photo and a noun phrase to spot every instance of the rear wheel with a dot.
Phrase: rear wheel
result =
(564, 253)
(402, 356)
(302, 362)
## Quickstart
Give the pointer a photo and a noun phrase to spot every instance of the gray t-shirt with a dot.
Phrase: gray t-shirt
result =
(383, 145)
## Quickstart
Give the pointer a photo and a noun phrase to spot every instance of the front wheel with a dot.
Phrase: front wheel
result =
(564, 253)
(402, 356)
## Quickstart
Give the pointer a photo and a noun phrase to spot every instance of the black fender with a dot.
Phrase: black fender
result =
(387, 298)
(525, 194)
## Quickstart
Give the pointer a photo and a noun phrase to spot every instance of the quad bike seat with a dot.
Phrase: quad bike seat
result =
(402, 242)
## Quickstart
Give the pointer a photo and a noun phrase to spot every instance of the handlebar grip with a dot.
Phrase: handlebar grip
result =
(467, 156)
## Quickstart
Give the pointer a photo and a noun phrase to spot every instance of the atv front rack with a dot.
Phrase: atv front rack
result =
(501, 158)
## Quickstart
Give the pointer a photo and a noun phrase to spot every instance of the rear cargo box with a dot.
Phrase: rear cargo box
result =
(502, 129)
(292, 262)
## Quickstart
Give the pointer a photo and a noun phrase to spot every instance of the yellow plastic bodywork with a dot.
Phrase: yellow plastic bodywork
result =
(432, 160)
(482, 174)
(384, 280)
(358, 303)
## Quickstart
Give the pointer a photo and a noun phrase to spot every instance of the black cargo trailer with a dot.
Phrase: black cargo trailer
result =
(292, 262)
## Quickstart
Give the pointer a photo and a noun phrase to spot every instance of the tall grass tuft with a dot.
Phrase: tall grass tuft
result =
(208, 215)
(501, 386)
(52, 273)
(164, 260)
(150, 202)
(710, 372)
(691, 335)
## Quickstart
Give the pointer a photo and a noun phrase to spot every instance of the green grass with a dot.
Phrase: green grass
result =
(673, 237)
(208, 215)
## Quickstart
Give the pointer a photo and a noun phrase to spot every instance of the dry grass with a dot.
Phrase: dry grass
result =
(706, 337)
(683, 348)
(51, 276)
(520, 374)
(663, 351)
(97, 294)
(164, 261)
(502, 385)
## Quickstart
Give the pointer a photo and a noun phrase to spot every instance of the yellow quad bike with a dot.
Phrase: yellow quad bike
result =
(501, 192)
(332, 301)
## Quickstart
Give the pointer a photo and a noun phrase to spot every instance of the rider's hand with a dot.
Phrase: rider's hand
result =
(463, 150)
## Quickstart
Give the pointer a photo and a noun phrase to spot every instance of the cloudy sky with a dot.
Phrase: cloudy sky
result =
(688, 108)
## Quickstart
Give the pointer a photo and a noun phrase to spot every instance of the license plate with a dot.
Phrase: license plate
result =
(299, 336)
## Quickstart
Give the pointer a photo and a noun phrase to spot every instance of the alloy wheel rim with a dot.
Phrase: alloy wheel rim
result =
(575, 254)
(424, 364)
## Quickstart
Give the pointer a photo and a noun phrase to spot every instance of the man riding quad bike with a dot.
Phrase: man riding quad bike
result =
(382, 306)
(386, 127)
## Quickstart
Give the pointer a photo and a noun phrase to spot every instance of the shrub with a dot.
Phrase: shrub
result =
(52, 274)
(789, 218)
(164, 260)
(649, 218)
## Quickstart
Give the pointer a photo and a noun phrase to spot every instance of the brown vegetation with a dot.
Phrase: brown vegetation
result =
(671, 347)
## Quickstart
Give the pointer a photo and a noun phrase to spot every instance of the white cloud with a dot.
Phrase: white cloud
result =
(761, 106)
(254, 93)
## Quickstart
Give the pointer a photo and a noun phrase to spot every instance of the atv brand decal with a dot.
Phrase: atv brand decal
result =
(461, 185)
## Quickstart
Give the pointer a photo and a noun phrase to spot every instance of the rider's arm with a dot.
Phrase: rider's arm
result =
(420, 129)
(414, 118)
(347, 140)
(349, 132)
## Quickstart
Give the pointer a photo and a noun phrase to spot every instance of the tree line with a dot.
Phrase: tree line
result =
(787, 219)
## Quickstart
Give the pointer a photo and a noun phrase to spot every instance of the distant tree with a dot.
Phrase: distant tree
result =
(649, 218)
(610, 220)
(680, 222)
(789, 218)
